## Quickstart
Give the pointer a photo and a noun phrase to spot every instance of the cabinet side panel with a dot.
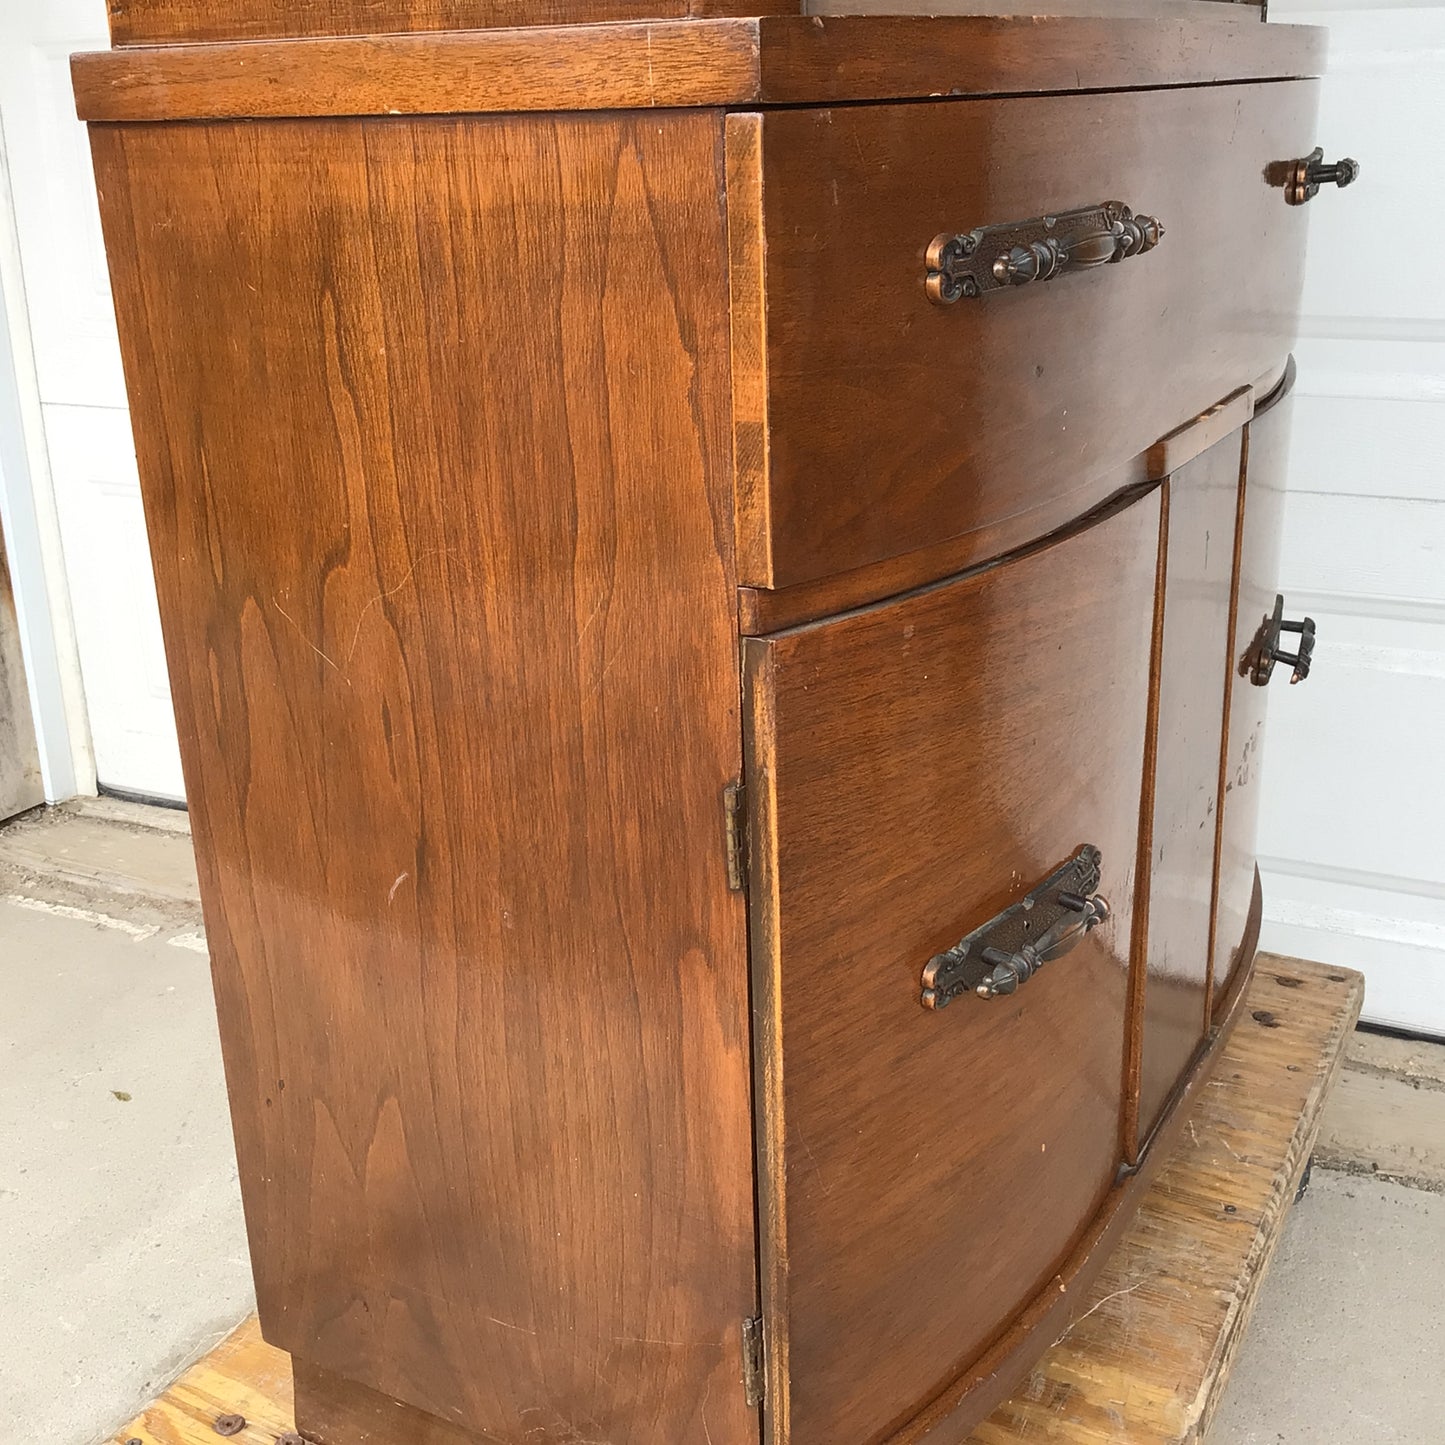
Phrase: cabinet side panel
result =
(433, 435)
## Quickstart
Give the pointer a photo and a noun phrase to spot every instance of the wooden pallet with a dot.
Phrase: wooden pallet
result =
(1146, 1360)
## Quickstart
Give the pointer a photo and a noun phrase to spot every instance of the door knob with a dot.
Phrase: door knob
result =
(1259, 659)
(1308, 175)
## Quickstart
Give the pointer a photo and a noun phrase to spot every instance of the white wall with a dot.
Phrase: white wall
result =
(76, 468)
(1353, 810)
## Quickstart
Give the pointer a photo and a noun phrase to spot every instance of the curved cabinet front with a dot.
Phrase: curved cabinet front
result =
(873, 418)
(1261, 525)
(916, 769)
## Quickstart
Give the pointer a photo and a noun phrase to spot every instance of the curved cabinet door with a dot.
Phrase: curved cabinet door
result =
(915, 768)
(1236, 927)
(1202, 505)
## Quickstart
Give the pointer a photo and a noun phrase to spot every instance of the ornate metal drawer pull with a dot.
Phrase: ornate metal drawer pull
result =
(1306, 176)
(1010, 948)
(1259, 659)
(1017, 252)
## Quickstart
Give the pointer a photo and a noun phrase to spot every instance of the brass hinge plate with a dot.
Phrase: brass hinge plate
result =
(735, 832)
(753, 1379)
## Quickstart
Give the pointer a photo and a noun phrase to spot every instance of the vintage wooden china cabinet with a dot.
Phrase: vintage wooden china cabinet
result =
(718, 561)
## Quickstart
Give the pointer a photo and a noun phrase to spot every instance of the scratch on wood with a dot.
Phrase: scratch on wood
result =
(279, 608)
(1100, 1305)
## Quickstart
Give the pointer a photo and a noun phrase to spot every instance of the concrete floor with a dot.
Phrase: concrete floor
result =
(1347, 1345)
(124, 1253)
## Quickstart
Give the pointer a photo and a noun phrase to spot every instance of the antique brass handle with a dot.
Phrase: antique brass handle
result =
(1011, 947)
(1259, 658)
(1018, 252)
(1306, 176)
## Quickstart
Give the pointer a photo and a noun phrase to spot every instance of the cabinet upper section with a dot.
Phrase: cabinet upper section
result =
(171, 22)
(741, 61)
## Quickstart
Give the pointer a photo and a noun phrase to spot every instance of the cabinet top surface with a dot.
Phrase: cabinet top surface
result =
(732, 61)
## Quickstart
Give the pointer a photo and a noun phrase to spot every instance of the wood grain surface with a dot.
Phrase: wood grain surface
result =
(1156, 1333)
(1261, 530)
(162, 22)
(440, 514)
(893, 423)
(166, 22)
(924, 1174)
(1148, 1358)
(869, 57)
(771, 609)
(1194, 663)
(1146, 9)
(602, 67)
(763, 609)
(786, 60)
(1194, 438)
(332, 1410)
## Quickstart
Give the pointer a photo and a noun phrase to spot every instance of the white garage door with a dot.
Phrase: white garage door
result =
(1354, 780)
(77, 361)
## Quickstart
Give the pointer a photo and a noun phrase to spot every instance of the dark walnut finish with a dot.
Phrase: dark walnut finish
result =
(1257, 571)
(891, 424)
(782, 60)
(169, 22)
(927, 1171)
(455, 671)
(623, 629)
(1203, 503)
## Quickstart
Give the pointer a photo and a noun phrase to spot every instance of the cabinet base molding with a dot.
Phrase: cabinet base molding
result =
(329, 1410)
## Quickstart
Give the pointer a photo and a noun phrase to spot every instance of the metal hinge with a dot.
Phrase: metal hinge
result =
(735, 834)
(753, 1380)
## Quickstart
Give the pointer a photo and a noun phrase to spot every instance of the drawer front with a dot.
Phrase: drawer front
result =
(871, 421)
(915, 769)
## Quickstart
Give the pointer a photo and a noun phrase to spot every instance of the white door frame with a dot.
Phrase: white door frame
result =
(32, 538)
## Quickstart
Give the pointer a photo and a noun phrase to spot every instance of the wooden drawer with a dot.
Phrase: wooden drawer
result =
(914, 768)
(870, 422)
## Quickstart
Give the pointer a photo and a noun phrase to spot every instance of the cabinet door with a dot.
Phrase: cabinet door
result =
(915, 768)
(1237, 915)
(1202, 501)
